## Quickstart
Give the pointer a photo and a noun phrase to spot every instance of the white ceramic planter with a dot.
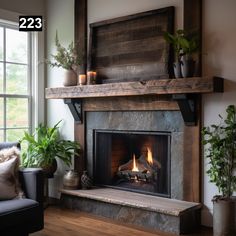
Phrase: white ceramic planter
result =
(70, 78)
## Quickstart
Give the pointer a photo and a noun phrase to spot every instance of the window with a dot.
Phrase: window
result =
(15, 82)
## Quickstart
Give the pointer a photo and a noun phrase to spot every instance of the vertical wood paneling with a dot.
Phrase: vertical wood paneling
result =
(192, 142)
(80, 11)
(80, 24)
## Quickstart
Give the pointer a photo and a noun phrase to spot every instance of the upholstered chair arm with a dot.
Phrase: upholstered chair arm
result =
(32, 183)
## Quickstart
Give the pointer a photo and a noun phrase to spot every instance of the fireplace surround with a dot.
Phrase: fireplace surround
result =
(165, 128)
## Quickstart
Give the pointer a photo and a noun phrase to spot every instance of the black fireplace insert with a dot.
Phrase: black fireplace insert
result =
(133, 160)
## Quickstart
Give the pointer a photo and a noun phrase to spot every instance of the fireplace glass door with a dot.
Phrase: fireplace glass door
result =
(134, 161)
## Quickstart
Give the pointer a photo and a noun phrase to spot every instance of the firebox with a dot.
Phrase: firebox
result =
(133, 160)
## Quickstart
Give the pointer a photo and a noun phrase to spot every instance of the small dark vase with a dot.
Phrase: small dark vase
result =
(49, 170)
(177, 69)
(187, 67)
(86, 181)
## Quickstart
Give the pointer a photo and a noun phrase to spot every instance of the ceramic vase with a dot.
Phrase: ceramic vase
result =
(224, 218)
(187, 67)
(177, 69)
(71, 180)
(86, 181)
(70, 78)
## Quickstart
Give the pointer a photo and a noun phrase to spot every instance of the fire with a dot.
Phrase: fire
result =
(135, 168)
(149, 156)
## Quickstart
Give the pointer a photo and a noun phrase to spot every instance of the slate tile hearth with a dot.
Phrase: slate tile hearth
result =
(152, 212)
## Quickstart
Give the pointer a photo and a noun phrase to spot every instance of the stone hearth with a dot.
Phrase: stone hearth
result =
(172, 215)
(151, 212)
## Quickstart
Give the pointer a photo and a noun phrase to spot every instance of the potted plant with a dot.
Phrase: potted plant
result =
(44, 146)
(68, 58)
(189, 45)
(220, 142)
(174, 40)
(184, 44)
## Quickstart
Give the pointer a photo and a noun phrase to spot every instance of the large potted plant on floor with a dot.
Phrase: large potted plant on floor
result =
(44, 146)
(220, 143)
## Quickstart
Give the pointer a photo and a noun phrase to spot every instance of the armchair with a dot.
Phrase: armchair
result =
(19, 217)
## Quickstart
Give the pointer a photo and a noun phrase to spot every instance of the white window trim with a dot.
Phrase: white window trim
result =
(37, 72)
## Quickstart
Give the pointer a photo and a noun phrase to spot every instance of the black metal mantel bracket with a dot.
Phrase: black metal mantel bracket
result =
(187, 106)
(75, 106)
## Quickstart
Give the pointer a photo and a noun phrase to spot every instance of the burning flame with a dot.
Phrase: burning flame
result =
(149, 156)
(135, 168)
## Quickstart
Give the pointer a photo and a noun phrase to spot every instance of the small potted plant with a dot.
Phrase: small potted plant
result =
(44, 146)
(67, 58)
(184, 44)
(220, 142)
(190, 46)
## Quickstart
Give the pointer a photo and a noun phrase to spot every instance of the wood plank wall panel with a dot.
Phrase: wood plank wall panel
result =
(131, 48)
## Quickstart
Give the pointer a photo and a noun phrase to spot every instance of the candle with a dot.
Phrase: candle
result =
(91, 77)
(82, 79)
(94, 76)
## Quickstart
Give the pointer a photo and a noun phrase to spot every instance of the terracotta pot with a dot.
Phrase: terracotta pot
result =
(70, 78)
(224, 217)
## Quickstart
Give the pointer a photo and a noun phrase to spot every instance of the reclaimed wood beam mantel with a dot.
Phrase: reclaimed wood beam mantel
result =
(195, 85)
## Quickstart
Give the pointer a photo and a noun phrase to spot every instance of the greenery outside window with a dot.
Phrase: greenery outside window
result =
(15, 82)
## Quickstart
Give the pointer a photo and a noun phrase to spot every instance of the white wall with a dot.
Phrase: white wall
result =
(28, 7)
(219, 37)
(99, 10)
(60, 17)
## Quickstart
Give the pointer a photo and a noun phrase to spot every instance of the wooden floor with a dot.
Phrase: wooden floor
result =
(61, 222)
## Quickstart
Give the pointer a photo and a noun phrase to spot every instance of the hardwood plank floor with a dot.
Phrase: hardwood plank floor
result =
(63, 222)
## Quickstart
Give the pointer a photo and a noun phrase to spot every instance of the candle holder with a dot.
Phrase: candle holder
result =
(82, 79)
(92, 77)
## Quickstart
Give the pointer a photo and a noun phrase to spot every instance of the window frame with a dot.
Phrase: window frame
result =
(30, 80)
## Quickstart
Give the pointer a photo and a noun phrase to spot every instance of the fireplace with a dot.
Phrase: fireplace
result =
(132, 160)
(115, 139)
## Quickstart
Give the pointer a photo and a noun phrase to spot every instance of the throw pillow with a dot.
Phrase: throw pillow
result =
(9, 165)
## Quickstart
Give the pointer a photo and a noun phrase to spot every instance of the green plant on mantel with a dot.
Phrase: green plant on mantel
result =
(220, 142)
(184, 43)
(66, 57)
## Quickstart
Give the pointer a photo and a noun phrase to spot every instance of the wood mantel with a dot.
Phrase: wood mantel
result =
(195, 85)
